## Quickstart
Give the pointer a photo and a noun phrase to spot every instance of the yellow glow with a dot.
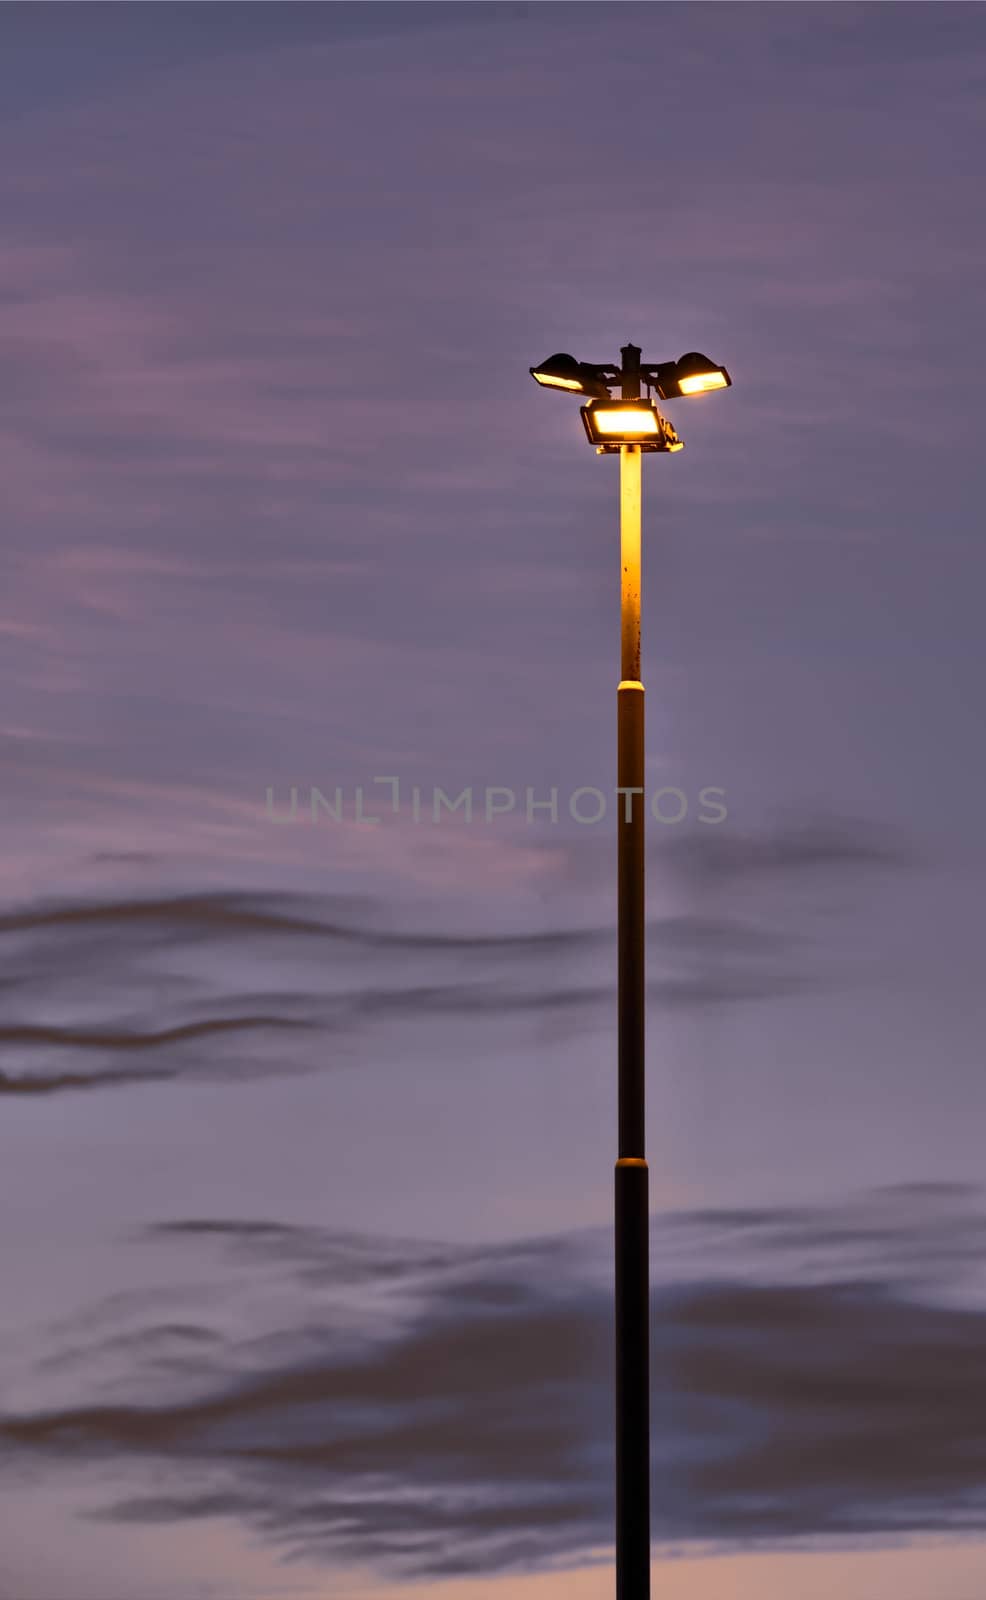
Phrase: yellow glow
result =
(622, 419)
(558, 383)
(699, 382)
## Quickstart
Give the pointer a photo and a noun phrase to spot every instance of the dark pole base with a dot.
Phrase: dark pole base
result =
(632, 1382)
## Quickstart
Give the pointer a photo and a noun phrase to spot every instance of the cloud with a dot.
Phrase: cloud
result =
(810, 1378)
(45, 1083)
(787, 850)
(29, 1038)
(33, 1034)
(780, 853)
(178, 915)
(870, 1410)
(128, 976)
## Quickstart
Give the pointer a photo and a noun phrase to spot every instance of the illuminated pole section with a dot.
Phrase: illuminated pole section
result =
(631, 1209)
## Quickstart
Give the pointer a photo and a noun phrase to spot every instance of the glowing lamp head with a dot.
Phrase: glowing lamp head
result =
(562, 371)
(610, 423)
(625, 422)
(696, 374)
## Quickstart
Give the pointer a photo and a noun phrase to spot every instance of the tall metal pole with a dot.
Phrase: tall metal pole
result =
(631, 1208)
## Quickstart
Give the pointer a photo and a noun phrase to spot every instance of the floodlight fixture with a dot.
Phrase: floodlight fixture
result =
(692, 373)
(611, 423)
(562, 371)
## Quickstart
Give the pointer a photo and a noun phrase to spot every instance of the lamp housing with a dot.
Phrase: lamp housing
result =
(692, 373)
(562, 371)
(611, 423)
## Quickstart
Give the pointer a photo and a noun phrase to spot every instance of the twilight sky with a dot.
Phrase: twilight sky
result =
(308, 1120)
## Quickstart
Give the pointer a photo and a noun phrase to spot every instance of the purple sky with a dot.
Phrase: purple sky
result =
(308, 1125)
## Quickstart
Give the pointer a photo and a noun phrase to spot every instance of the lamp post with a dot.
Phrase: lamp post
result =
(632, 426)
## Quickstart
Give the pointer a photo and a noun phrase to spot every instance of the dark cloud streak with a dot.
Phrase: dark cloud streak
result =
(362, 973)
(468, 1431)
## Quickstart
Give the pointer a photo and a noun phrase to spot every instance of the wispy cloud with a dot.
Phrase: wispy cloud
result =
(814, 1375)
(791, 848)
(131, 976)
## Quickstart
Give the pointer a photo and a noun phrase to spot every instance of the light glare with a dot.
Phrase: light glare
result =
(550, 382)
(623, 419)
(699, 382)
